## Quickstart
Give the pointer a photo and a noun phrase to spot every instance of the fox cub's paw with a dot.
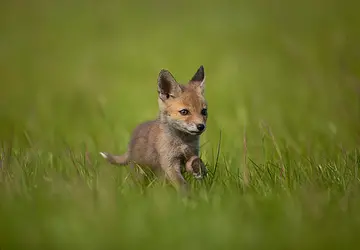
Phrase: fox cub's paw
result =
(197, 167)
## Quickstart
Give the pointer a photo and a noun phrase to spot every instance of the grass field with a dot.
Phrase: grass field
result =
(282, 143)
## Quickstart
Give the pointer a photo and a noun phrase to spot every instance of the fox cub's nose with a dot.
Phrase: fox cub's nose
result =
(200, 127)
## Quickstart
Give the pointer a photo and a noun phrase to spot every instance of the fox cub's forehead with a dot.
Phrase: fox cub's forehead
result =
(192, 99)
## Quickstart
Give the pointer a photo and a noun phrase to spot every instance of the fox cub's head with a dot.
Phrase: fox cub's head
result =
(183, 107)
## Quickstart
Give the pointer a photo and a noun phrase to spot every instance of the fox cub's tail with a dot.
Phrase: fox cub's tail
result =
(121, 160)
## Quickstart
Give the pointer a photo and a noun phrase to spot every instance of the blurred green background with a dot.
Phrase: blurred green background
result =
(77, 76)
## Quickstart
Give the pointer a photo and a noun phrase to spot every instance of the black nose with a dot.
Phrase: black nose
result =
(200, 127)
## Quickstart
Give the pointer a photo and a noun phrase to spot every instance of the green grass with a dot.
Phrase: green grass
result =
(282, 144)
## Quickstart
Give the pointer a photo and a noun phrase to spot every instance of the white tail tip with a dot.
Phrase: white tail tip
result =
(104, 155)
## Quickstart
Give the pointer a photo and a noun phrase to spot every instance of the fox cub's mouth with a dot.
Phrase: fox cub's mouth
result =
(197, 129)
(194, 132)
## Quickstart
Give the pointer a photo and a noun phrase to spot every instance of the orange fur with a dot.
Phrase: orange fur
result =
(172, 139)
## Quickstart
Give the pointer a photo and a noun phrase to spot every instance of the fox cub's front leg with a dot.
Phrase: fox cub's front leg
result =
(197, 167)
(172, 171)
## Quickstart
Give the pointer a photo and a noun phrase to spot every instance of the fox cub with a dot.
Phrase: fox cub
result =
(172, 139)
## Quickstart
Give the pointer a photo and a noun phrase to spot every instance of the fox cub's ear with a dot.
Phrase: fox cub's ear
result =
(198, 79)
(167, 85)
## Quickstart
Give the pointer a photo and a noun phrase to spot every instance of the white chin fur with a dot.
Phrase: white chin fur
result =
(192, 132)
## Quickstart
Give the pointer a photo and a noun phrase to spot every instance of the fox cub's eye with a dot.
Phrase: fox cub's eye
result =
(204, 112)
(184, 112)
